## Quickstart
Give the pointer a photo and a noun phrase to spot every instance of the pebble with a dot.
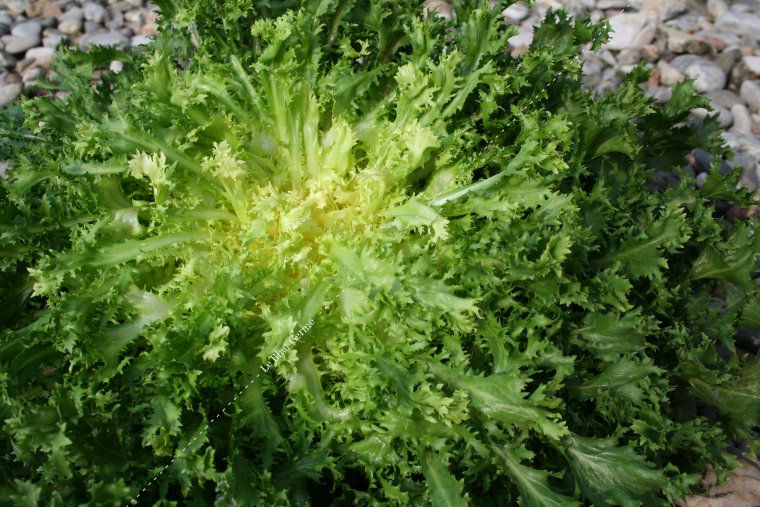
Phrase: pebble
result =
(707, 75)
(9, 92)
(742, 120)
(71, 21)
(631, 30)
(52, 40)
(139, 40)
(109, 39)
(753, 62)
(669, 75)
(716, 8)
(42, 56)
(27, 29)
(15, 44)
(95, 12)
(744, 23)
(726, 98)
(727, 59)
(750, 91)
(514, 13)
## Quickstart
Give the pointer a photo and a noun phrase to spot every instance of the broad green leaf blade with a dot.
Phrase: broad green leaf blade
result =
(445, 490)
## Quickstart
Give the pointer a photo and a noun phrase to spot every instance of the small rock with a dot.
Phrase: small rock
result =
(10, 92)
(116, 66)
(16, 7)
(716, 8)
(631, 30)
(5, 29)
(139, 40)
(725, 117)
(92, 26)
(719, 40)
(71, 21)
(753, 63)
(6, 60)
(700, 180)
(750, 91)
(16, 44)
(683, 42)
(95, 12)
(727, 59)
(742, 120)
(439, 8)
(102, 39)
(650, 53)
(669, 75)
(611, 4)
(523, 38)
(740, 24)
(702, 160)
(662, 10)
(661, 94)
(42, 56)
(31, 75)
(52, 41)
(27, 29)
(24, 64)
(707, 75)
(725, 98)
(515, 12)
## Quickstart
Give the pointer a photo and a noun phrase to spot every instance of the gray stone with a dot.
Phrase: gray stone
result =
(516, 12)
(611, 4)
(5, 29)
(15, 44)
(16, 7)
(139, 40)
(523, 38)
(669, 75)
(5, 19)
(31, 75)
(92, 26)
(6, 60)
(683, 42)
(750, 91)
(631, 30)
(53, 40)
(707, 75)
(10, 92)
(727, 59)
(744, 23)
(661, 94)
(742, 120)
(103, 39)
(716, 8)
(27, 29)
(753, 63)
(71, 21)
(95, 12)
(720, 40)
(726, 98)
(42, 56)
(723, 115)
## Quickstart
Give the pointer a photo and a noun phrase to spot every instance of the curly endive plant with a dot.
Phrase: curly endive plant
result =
(503, 310)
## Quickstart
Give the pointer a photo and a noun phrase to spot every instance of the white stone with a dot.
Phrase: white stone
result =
(9, 92)
(742, 120)
(94, 12)
(744, 23)
(516, 12)
(753, 63)
(750, 91)
(669, 75)
(27, 29)
(707, 75)
(16, 44)
(42, 56)
(716, 8)
(631, 30)
(108, 39)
